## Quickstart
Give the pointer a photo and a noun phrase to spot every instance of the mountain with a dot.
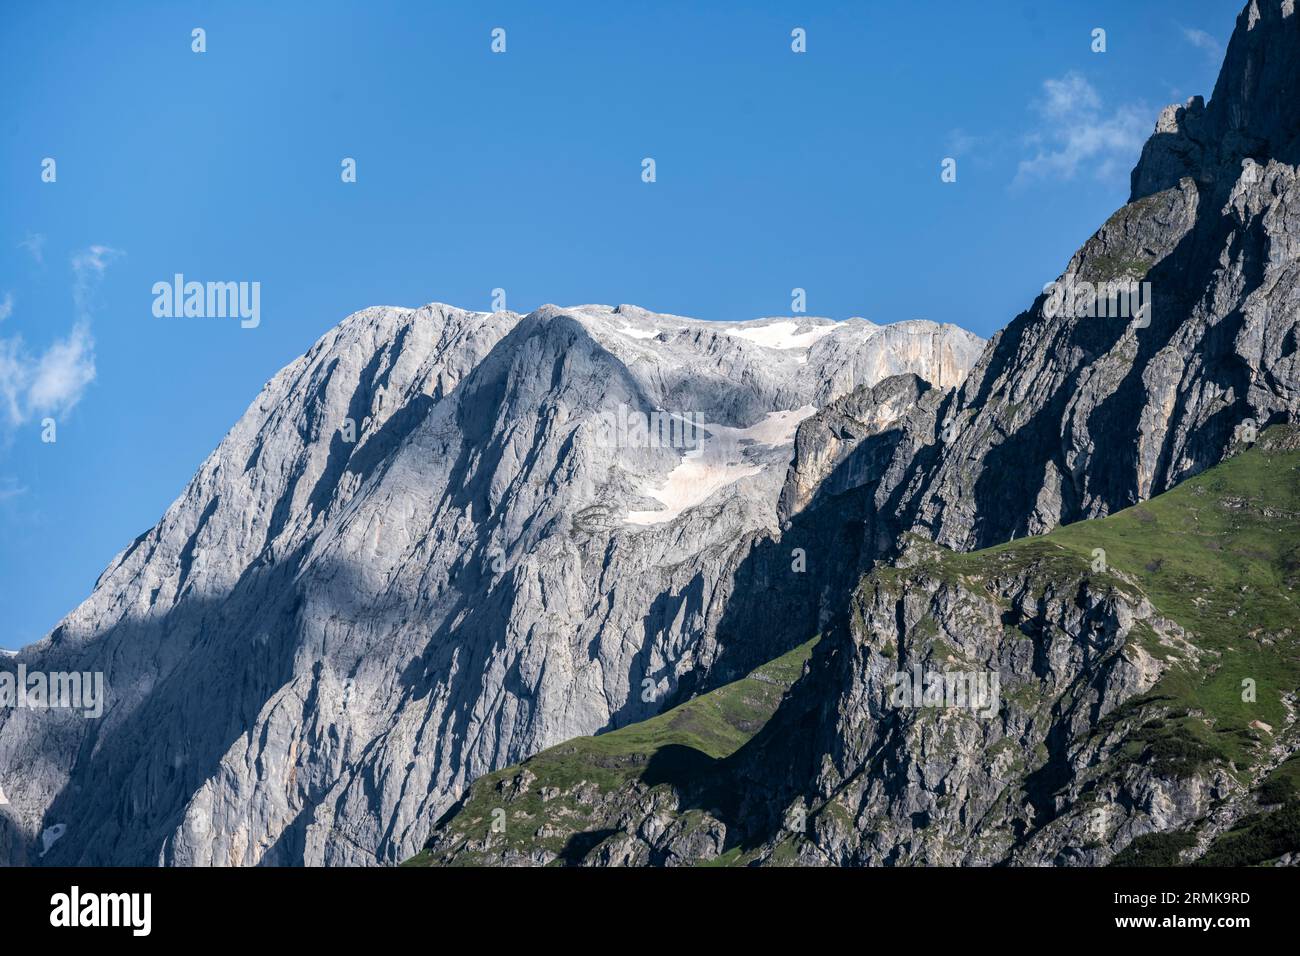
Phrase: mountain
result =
(605, 796)
(1120, 721)
(1167, 345)
(437, 543)
(1051, 580)
(1148, 667)
(1074, 415)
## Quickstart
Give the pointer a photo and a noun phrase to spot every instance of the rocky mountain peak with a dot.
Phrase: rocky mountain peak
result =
(1249, 116)
(437, 542)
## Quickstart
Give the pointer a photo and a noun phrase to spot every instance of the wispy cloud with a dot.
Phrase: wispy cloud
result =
(1204, 41)
(961, 143)
(9, 488)
(88, 268)
(15, 373)
(49, 383)
(63, 372)
(35, 244)
(52, 382)
(7, 306)
(1078, 135)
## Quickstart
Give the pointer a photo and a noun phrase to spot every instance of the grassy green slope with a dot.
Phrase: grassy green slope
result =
(685, 741)
(1219, 555)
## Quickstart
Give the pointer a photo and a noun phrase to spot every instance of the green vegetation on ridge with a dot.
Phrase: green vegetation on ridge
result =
(1218, 556)
(571, 778)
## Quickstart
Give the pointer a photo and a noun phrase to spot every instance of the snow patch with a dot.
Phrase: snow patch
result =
(774, 428)
(687, 485)
(782, 335)
(637, 333)
(719, 463)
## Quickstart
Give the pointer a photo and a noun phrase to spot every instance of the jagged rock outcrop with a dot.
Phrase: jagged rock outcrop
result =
(829, 452)
(1072, 413)
(936, 783)
(438, 542)
(1251, 113)
(1068, 416)
(1119, 690)
(1170, 341)
(1109, 722)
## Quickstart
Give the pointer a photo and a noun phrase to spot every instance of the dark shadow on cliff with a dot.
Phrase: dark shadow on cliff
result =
(134, 771)
(773, 606)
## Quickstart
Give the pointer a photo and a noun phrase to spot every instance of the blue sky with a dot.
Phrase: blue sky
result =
(519, 170)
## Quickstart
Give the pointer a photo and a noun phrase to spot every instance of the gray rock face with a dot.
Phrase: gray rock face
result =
(1251, 114)
(1078, 409)
(829, 457)
(435, 544)
(963, 785)
(1071, 413)
(1067, 416)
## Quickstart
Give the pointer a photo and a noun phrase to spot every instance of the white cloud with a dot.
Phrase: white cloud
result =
(1068, 97)
(960, 142)
(63, 372)
(88, 267)
(93, 260)
(14, 375)
(7, 306)
(50, 383)
(54, 381)
(1203, 41)
(35, 244)
(1079, 135)
(9, 488)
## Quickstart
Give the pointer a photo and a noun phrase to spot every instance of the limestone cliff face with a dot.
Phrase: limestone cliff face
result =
(1075, 411)
(829, 457)
(1122, 689)
(1072, 413)
(1067, 416)
(900, 780)
(419, 557)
